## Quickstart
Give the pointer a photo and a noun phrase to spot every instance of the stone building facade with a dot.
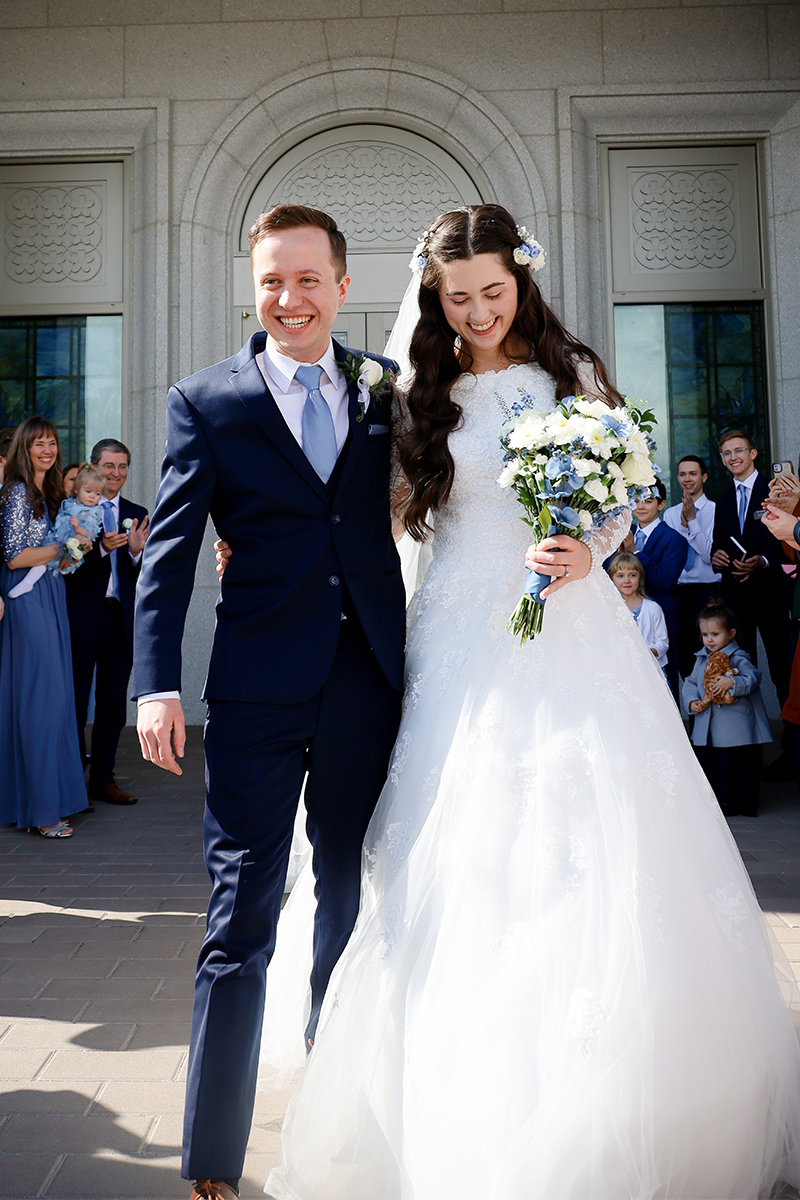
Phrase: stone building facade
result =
(651, 145)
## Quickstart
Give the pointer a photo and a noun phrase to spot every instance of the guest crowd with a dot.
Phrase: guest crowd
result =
(701, 579)
(71, 550)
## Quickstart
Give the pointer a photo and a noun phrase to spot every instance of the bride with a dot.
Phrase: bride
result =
(560, 986)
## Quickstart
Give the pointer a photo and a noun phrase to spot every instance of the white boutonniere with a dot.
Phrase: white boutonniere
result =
(126, 524)
(370, 378)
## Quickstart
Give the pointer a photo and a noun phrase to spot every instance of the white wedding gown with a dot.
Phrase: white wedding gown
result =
(560, 984)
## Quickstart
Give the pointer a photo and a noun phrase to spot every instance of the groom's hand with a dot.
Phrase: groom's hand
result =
(161, 727)
(223, 553)
(565, 558)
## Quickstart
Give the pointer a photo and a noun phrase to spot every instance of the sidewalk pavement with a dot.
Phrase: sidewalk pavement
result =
(98, 939)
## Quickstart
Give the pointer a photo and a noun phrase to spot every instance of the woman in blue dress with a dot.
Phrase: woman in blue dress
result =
(42, 777)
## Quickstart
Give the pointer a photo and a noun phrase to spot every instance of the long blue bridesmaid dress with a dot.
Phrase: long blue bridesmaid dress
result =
(41, 774)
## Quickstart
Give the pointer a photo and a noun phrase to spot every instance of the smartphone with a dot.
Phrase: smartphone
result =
(782, 468)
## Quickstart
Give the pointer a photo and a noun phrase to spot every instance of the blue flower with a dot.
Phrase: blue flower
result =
(564, 516)
(617, 427)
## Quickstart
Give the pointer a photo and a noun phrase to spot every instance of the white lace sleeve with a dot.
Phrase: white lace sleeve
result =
(604, 541)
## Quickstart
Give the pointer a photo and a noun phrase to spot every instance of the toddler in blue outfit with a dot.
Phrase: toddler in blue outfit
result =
(727, 736)
(81, 510)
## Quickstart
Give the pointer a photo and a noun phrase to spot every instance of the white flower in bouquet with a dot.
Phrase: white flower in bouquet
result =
(596, 489)
(598, 439)
(637, 471)
(583, 466)
(591, 408)
(636, 443)
(507, 475)
(585, 519)
(73, 545)
(620, 492)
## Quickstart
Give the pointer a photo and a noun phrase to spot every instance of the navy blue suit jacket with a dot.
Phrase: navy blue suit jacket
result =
(87, 587)
(295, 541)
(663, 557)
(755, 537)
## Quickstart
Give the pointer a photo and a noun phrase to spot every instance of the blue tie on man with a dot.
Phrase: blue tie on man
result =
(319, 435)
(110, 526)
(742, 490)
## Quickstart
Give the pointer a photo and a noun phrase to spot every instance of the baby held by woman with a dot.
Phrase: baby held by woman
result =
(81, 510)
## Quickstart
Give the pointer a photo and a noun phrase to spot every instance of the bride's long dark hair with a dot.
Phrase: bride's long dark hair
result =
(438, 359)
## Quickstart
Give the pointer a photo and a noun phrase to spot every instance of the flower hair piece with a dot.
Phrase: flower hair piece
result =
(529, 253)
(419, 259)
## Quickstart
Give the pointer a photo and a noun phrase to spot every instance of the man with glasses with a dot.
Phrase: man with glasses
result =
(100, 601)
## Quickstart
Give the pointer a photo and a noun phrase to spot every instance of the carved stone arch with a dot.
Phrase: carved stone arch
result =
(266, 125)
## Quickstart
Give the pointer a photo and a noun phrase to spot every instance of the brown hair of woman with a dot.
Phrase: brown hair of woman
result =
(438, 357)
(19, 467)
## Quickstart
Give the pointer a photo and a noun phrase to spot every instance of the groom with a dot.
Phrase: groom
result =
(306, 666)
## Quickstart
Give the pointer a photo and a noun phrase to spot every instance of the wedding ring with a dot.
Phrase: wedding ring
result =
(566, 572)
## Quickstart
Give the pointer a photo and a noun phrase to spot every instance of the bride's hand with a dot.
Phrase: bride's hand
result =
(572, 560)
(223, 553)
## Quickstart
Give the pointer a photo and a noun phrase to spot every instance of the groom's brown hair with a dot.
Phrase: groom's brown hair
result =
(295, 216)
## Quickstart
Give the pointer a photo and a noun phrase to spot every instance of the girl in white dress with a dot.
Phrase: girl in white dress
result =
(560, 985)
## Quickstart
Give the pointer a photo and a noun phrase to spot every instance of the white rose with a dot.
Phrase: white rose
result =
(637, 471)
(620, 492)
(126, 524)
(372, 371)
(584, 467)
(596, 489)
(585, 518)
(507, 475)
(615, 471)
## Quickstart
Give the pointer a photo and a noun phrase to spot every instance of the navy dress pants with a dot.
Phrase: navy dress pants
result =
(257, 756)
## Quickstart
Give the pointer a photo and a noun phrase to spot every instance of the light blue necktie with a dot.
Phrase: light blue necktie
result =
(319, 435)
(639, 540)
(742, 505)
(110, 526)
(690, 557)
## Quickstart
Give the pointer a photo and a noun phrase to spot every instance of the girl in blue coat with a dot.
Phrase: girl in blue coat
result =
(728, 737)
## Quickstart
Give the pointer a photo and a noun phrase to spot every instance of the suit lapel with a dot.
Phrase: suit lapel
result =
(358, 429)
(249, 385)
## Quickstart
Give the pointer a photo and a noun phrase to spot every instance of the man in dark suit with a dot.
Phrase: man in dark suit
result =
(291, 458)
(750, 560)
(663, 554)
(100, 603)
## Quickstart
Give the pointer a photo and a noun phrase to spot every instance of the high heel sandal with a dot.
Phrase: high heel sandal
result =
(61, 830)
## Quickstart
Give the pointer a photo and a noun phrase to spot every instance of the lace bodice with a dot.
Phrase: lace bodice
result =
(479, 533)
(19, 526)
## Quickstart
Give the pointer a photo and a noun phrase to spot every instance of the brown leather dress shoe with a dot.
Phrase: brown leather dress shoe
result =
(213, 1189)
(111, 794)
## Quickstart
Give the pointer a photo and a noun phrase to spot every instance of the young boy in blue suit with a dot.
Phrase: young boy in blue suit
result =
(728, 737)
(663, 553)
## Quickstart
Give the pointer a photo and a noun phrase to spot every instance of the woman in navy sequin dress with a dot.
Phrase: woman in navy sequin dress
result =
(42, 778)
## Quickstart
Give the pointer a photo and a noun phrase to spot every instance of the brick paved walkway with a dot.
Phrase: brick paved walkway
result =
(98, 937)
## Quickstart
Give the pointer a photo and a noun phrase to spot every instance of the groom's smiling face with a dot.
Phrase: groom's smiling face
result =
(297, 293)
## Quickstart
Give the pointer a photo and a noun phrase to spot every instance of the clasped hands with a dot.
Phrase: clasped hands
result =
(742, 567)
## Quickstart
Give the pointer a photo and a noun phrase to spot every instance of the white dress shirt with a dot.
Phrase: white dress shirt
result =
(290, 395)
(699, 533)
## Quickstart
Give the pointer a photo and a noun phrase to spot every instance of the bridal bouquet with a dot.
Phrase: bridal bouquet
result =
(572, 469)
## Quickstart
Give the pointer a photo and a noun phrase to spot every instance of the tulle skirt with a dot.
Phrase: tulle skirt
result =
(560, 985)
